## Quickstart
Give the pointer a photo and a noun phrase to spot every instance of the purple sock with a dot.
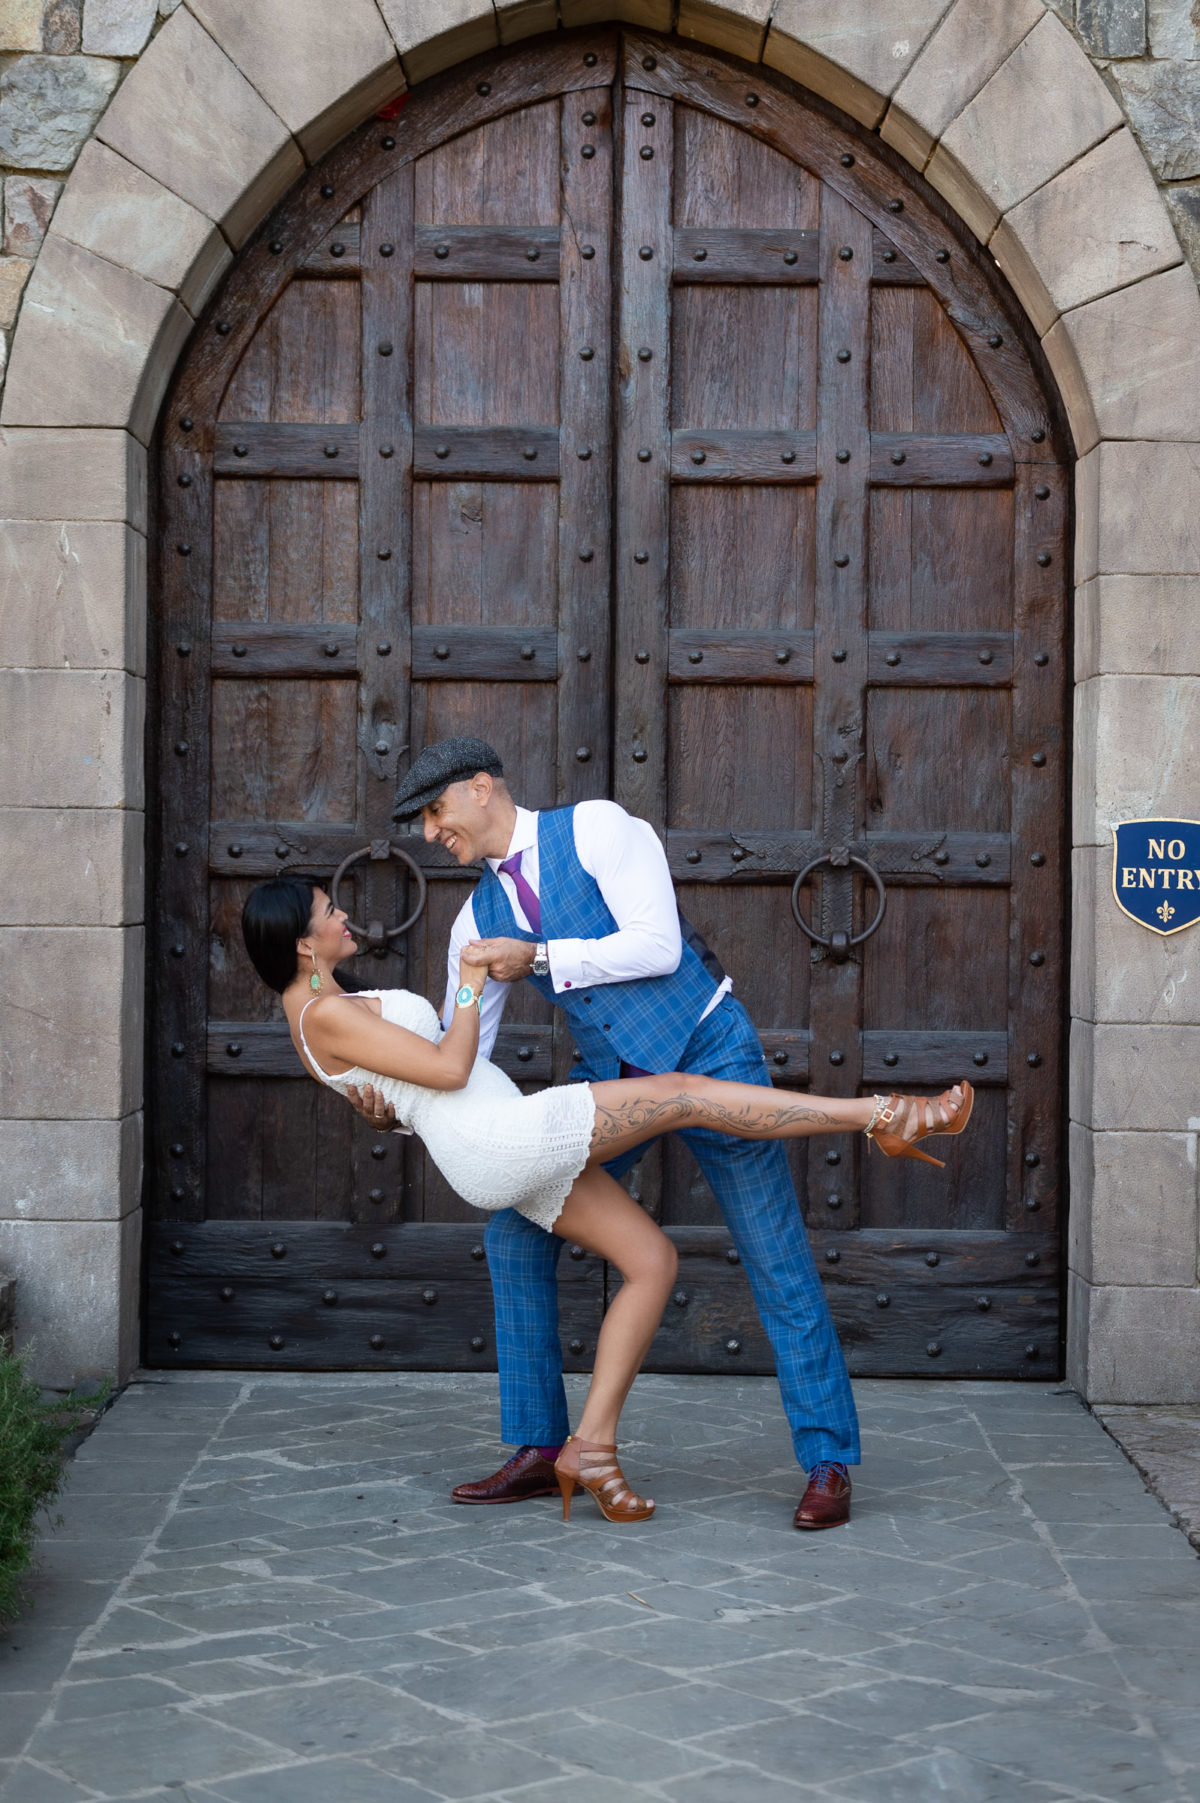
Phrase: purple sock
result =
(550, 1453)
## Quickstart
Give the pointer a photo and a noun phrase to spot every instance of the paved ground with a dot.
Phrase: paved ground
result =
(1164, 1444)
(260, 1594)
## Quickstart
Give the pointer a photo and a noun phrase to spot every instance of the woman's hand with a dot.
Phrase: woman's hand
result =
(473, 967)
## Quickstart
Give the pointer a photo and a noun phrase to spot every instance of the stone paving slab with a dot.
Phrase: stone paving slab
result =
(1164, 1444)
(260, 1593)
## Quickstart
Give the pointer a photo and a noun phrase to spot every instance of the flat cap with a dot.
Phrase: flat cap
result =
(449, 761)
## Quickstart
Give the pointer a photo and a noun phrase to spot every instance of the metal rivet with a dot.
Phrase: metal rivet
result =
(381, 748)
(226, 1293)
(378, 1250)
(233, 1049)
(177, 1248)
(376, 1342)
(224, 328)
(833, 1201)
(649, 62)
(584, 655)
(586, 555)
(441, 252)
(528, 653)
(995, 340)
(787, 457)
(693, 857)
(934, 1349)
(388, 143)
(790, 257)
(529, 453)
(882, 1299)
(279, 1249)
(384, 648)
(942, 256)
(1037, 859)
(899, 456)
(832, 1256)
(442, 451)
(847, 161)
(895, 206)
(843, 456)
(378, 1152)
(1037, 435)
(532, 254)
(839, 656)
(374, 1195)
(1041, 660)
(1043, 558)
(983, 860)
(588, 252)
(589, 118)
(1037, 959)
(238, 649)
(326, 192)
(174, 1341)
(590, 59)
(695, 657)
(331, 450)
(841, 560)
(276, 246)
(985, 458)
(385, 450)
(329, 1298)
(186, 423)
(385, 349)
(477, 1342)
(1033, 1258)
(1042, 492)
(235, 851)
(1038, 759)
(177, 951)
(645, 253)
(184, 548)
(645, 354)
(893, 658)
(584, 453)
(181, 748)
(1031, 1352)
(837, 1057)
(889, 256)
(239, 450)
(331, 650)
(477, 1253)
(843, 355)
(891, 1058)
(1033, 1059)
(783, 656)
(387, 250)
(752, 100)
(846, 253)
(980, 1058)
(183, 648)
(985, 657)
(337, 250)
(181, 850)
(699, 456)
(646, 153)
(639, 756)
(577, 1252)
(583, 754)
(1032, 1159)
(733, 1256)
(587, 353)
(176, 1150)
(589, 151)
(647, 118)
(780, 1058)
(1032, 1203)
(733, 1345)
(185, 481)
(933, 1258)
(641, 557)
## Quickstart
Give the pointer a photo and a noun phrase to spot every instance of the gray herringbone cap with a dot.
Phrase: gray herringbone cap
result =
(449, 761)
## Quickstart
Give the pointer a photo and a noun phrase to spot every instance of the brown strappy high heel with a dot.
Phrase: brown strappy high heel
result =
(591, 1466)
(894, 1145)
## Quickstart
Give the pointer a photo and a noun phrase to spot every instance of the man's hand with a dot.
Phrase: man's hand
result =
(508, 960)
(372, 1108)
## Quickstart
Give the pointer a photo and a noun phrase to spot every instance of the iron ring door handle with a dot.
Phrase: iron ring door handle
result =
(376, 934)
(839, 942)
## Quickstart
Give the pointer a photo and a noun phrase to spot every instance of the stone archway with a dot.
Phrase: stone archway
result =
(1000, 109)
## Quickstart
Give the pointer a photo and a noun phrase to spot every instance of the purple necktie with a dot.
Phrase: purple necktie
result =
(528, 900)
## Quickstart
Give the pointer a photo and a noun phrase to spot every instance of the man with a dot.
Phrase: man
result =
(579, 901)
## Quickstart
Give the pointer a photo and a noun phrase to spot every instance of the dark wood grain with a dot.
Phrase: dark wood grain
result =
(485, 653)
(938, 659)
(926, 460)
(751, 657)
(270, 650)
(723, 254)
(319, 453)
(743, 456)
(486, 253)
(486, 453)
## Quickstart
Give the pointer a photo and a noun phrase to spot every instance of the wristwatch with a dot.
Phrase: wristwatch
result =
(541, 960)
(466, 996)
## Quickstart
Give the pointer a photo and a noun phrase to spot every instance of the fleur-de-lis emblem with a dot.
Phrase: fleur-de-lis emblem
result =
(1165, 913)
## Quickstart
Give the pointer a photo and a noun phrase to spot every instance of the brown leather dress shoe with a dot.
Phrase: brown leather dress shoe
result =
(526, 1474)
(826, 1501)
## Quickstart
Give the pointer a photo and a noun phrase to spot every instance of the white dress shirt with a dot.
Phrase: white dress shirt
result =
(630, 867)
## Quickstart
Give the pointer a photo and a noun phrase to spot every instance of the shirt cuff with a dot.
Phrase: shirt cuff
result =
(566, 963)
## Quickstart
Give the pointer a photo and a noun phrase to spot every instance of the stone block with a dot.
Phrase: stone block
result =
(1135, 1078)
(70, 1170)
(115, 209)
(1135, 752)
(67, 867)
(655, 15)
(517, 19)
(1174, 30)
(964, 52)
(1112, 27)
(62, 27)
(1133, 1345)
(1044, 107)
(72, 739)
(1099, 225)
(1137, 510)
(1184, 205)
(1128, 364)
(187, 116)
(49, 105)
(21, 25)
(77, 1296)
(1133, 1207)
(56, 475)
(96, 347)
(14, 273)
(1137, 625)
(117, 27)
(1120, 970)
(71, 1032)
(75, 596)
(853, 52)
(320, 82)
(28, 204)
(1163, 103)
(430, 35)
(739, 27)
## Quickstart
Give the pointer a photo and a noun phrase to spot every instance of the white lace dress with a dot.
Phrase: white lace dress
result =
(496, 1147)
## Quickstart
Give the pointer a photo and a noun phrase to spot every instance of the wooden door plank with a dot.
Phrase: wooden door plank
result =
(318, 452)
(941, 460)
(487, 253)
(721, 254)
(270, 650)
(755, 657)
(485, 654)
(486, 453)
(940, 659)
(701, 454)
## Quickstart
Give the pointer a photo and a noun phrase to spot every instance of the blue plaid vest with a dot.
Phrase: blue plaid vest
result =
(646, 1022)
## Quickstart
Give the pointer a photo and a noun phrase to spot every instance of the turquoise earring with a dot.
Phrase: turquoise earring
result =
(314, 982)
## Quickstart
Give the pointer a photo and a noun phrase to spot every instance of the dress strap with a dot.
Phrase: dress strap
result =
(324, 1075)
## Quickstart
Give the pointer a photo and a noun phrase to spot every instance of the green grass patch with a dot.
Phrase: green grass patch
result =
(33, 1430)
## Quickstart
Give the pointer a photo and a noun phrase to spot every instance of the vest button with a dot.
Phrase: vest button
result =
(608, 1026)
(588, 1000)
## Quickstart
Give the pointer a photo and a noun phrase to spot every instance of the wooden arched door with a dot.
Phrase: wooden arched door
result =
(635, 411)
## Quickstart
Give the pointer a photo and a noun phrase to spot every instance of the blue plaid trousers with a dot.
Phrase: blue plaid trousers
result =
(752, 1183)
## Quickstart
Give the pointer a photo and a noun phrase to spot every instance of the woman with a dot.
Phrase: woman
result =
(541, 1154)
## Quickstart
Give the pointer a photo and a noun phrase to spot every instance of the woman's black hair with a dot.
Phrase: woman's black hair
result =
(275, 915)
